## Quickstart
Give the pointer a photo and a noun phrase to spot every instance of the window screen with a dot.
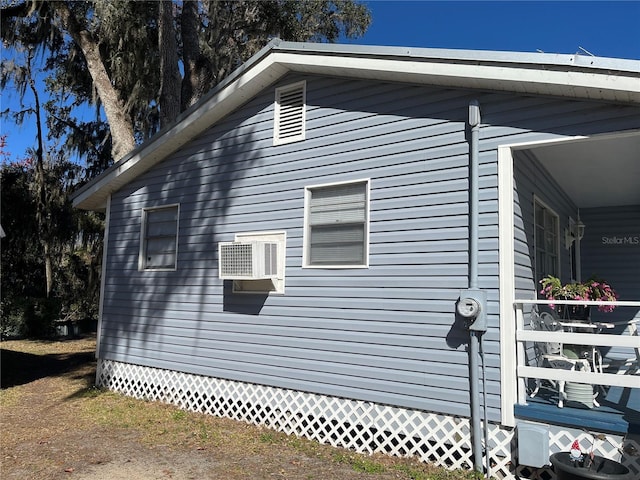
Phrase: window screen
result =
(160, 238)
(337, 225)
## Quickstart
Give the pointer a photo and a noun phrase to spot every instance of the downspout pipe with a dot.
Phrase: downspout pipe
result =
(479, 324)
(472, 305)
(474, 124)
(476, 430)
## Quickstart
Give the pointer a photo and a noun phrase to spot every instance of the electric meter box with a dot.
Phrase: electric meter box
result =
(472, 306)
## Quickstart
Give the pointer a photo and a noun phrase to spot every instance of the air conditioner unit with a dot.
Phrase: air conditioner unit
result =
(247, 260)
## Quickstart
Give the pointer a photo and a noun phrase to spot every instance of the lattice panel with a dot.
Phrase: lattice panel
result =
(360, 426)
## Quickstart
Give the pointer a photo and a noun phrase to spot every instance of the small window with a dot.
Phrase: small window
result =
(337, 225)
(289, 114)
(546, 241)
(159, 242)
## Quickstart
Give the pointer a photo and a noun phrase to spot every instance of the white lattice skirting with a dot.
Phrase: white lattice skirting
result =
(361, 426)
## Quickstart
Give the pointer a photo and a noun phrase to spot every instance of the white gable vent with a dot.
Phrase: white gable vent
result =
(289, 120)
(247, 260)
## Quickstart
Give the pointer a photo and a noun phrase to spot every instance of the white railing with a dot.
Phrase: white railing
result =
(524, 334)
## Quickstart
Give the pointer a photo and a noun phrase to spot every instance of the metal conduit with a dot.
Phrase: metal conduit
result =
(476, 333)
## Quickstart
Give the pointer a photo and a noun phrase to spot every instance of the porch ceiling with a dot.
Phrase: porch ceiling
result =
(596, 172)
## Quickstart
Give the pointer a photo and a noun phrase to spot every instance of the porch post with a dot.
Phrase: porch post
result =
(508, 394)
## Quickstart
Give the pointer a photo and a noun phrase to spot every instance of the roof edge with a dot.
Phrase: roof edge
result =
(457, 68)
(461, 55)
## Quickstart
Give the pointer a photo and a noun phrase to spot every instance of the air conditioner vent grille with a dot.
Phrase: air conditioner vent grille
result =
(271, 259)
(236, 260)
(247, 260)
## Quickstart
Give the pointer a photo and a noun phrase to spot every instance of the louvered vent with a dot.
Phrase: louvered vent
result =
(247, 260)
(290, 114)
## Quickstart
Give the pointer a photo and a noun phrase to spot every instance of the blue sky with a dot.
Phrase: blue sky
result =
(605, 29)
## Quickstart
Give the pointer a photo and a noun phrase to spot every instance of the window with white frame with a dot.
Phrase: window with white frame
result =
(336, 231)
(289, 113)
(546, 241)
(159, 238)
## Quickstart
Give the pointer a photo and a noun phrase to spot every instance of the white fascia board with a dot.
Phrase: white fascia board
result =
(598, 84)
(536, 60)
(196, 120)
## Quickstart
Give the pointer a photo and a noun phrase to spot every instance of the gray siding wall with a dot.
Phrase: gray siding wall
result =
(611, 249)
(387, 333)
(532, 181)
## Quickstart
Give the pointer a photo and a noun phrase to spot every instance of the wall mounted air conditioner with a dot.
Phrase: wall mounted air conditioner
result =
(252, 260)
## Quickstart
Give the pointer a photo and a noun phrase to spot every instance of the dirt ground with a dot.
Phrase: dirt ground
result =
(54, 425)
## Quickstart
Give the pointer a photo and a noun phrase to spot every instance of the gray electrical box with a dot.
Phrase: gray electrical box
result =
(533, 444)
(472, 306)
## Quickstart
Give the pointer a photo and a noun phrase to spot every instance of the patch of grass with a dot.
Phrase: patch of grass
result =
(205, 434)
(91, 392)
(177, 431)
(50, 347)
(164, 424)
(179, 415)
(10, 397)
(417, 474)
(268, 437)
(367, 466)
(157, 422)
(378, 463)
(423, 471)
(359, 463)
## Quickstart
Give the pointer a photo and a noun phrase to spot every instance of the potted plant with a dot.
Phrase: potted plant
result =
(578, 465)
(592, 290)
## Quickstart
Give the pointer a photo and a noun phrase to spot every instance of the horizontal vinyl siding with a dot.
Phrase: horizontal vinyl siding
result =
(531, 179)
(385, 334)
(614, 233)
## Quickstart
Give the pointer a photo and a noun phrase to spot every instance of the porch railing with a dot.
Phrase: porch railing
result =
(525, 370)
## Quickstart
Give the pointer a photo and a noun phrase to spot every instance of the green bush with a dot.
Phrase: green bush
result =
(32, 317)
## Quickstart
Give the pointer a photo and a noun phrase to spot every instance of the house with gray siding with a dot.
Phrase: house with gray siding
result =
(345, 243)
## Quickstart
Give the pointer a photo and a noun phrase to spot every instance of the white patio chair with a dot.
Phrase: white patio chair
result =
(554, 355)
(635, 332)
(626, 365)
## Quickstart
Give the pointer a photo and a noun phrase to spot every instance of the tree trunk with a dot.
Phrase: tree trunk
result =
(42, 204)
(48, 266)
(169, 73)
(196, 67)
(120, 124)
(188, 23)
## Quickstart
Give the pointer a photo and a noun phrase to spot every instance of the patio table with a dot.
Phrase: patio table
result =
(589, 327)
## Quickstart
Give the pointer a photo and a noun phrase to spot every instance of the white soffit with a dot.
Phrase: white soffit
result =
(579, 166)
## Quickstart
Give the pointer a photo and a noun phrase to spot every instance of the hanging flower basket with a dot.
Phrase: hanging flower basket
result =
(591, 290)
(573, 312)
